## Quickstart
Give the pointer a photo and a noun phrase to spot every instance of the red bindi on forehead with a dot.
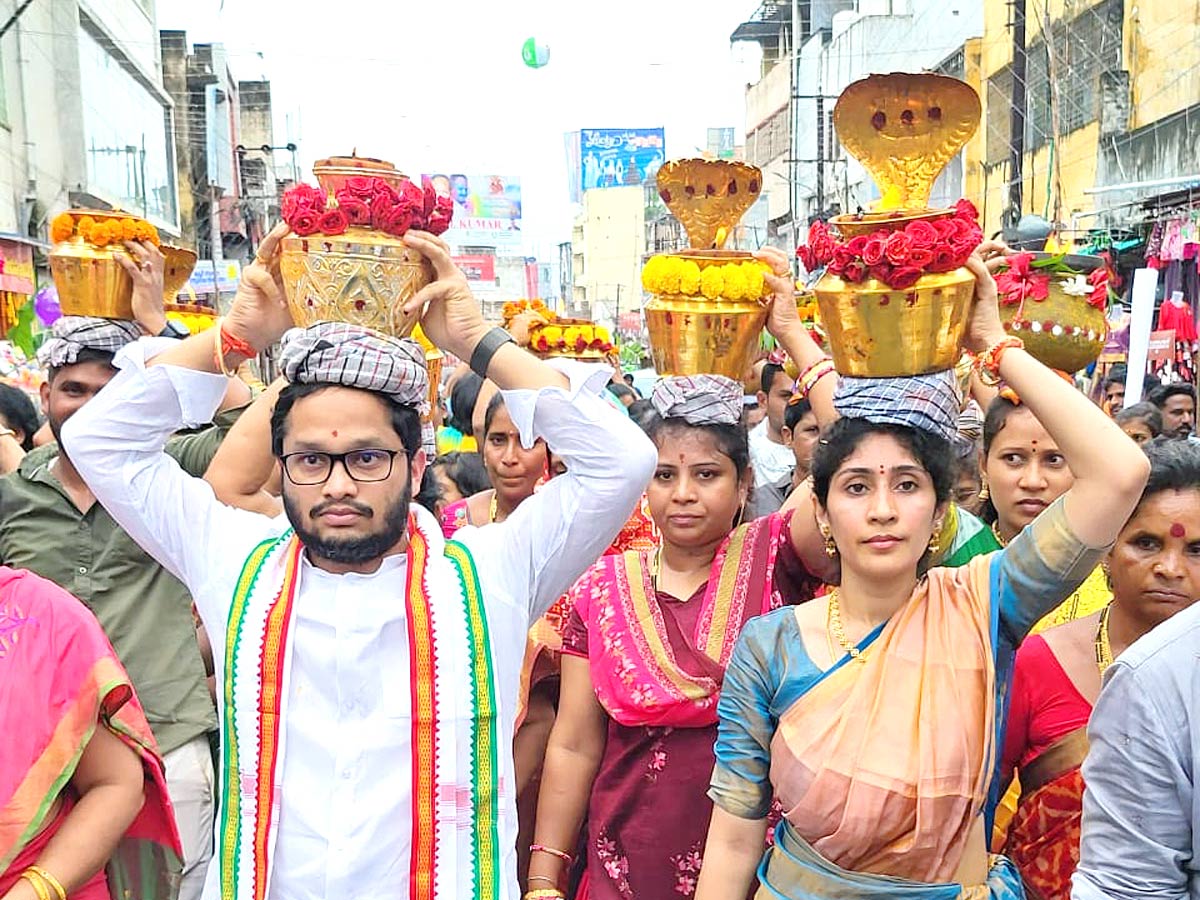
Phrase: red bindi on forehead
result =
(1177, 530)
(334, 433)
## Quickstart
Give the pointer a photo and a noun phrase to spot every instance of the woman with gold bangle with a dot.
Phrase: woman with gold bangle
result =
(874, 714)
(1155, 572)
(81, 782)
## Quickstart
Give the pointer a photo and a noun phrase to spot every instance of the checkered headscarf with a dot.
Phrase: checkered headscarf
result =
(72, 334)
(699, 399)
(338, 353)
(930, 402)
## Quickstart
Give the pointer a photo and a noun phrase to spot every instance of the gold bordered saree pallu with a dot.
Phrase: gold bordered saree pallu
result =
(455, 736)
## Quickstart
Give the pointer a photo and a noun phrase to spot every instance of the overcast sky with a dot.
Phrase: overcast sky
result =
(441, 85)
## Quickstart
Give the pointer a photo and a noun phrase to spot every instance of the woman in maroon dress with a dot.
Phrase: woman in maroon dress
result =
(644, 653)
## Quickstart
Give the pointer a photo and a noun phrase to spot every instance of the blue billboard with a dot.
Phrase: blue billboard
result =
(614, 157)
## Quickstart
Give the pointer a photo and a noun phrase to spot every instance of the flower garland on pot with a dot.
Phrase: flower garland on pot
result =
(551, 338)
(367, 202)
(734, 281)
(896, 257)
(100, 232)
(1028, 278)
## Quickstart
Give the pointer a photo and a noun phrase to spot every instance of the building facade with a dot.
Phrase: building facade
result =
(608, 247)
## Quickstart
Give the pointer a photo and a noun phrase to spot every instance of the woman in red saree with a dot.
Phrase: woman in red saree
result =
(1155, 573)
(81, 782)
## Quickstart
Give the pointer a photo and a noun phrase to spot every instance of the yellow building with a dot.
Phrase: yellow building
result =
(1113, 109)
(608, 245)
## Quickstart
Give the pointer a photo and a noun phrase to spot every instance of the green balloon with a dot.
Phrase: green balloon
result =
(533, 54)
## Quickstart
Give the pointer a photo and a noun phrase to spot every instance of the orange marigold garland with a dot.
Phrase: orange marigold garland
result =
(103, 231)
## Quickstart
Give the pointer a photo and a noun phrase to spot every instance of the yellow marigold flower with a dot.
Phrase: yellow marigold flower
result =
(552, 333)
(62, 228)
(712, 282)
(755, 284)
(672, 277)
(689, 278)
(735, 282)
(652, 274)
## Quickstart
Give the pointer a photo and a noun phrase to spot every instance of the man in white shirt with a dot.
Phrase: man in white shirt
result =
(347, 631)
(770, 456)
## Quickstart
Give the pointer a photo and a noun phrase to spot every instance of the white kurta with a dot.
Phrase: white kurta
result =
(344, 823)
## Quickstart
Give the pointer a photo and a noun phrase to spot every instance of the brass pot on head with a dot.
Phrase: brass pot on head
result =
(89, 279)
(903, 128)
(695, 334)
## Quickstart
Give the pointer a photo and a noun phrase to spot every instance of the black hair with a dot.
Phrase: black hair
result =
(642, 411)
(430, 493)
(770, 370)
(493, 407)
(1174, 466)
(795, 412)
(405, 420)
(18, 412)
(463, 397)
(1144, 412)
(1116, 375)
(621, 391)
(1164, 393)
(85, 355)
(731, 440)
(465, 470)
(628, 378)
(842, 438)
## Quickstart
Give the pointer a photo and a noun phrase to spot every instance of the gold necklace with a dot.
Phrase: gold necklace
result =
(492, 507)
(833, 625)
(996, 533)
(1104, 654)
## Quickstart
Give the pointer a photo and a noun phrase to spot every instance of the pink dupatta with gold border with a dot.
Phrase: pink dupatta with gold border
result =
(644, 675)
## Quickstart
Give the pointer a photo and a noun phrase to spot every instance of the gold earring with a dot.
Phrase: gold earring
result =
(934, 544)
(984, 493)
(831, 548)
(1107, 572)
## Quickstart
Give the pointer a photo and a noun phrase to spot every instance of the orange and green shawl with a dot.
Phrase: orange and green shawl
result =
(59, 679)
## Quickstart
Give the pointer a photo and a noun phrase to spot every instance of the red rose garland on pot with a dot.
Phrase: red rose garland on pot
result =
(896, 257)
(367, 203)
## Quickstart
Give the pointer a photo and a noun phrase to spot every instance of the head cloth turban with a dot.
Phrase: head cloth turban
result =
(341, 354)
(930, 402)
(699, 399)
(72, 334)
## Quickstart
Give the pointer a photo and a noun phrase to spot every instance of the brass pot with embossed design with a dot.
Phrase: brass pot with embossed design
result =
(363, 277)
(1063, 331)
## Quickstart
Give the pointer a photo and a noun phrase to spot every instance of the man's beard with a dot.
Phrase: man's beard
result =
(355, 550)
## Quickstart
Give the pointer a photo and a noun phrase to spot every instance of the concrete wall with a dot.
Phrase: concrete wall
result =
(610, 242)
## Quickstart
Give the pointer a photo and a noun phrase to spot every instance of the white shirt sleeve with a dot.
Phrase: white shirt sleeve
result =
(550, 539)
(116, 443)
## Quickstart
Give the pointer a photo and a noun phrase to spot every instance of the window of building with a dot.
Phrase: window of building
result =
(127, 136)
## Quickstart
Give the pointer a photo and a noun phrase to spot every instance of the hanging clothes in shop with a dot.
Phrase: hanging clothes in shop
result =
(1176, 315)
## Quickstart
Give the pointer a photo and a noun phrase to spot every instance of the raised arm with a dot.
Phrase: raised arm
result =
(1110, 469)
(552, 537)
(244, 464)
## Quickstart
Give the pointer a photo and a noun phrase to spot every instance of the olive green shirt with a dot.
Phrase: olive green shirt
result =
(145, 611)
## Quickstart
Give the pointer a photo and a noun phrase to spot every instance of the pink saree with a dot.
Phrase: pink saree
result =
(59, 679)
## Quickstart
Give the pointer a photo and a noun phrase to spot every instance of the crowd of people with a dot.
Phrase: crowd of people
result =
(878, 640)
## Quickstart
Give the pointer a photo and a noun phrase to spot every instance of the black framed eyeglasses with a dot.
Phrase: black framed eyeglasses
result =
(309, 467)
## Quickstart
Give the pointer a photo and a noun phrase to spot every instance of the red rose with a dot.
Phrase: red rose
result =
(873, 250)
(855, 272)
(881, 272)
(944, 260)
(357, 212)
(412, 195)
(805, 255)
(431, 197)
(904, 277)
(920, 257)
(856, 245)
(581, 344)
(443, 214)
(965, 209)
(897, 248)
(842, 256)
(834, 269)
(305, 222)
(361, 187)
(398, 221)
(921, 234)
(300, 199)
(334, 221)
(381, 208)
(821, 243)
(946, 229)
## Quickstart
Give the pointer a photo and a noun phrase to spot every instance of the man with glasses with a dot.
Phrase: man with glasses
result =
(383, 660)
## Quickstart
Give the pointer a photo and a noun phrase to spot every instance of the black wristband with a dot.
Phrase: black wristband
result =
(481, 356)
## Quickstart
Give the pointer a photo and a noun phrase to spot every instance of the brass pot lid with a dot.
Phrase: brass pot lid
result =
(904, 128)
(708, 196)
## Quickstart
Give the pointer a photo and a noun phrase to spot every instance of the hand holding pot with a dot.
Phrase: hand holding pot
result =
(145, 264)
(985, 328)
(450, 314)
(259, 314)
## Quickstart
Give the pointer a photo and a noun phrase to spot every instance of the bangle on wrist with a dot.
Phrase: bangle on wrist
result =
(987, 364)
(560, 854)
